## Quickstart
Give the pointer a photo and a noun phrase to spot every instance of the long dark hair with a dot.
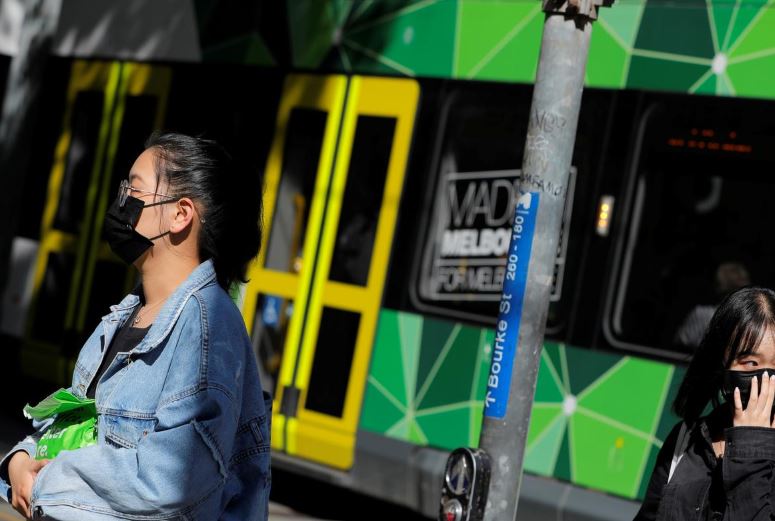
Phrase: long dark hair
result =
(227, 197)
(736, 330)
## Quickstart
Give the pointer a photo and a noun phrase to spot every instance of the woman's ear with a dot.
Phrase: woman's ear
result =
(182, 215)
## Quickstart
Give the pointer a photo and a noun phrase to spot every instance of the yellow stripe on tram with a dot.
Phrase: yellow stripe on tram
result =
(321, 437)
(325, 93)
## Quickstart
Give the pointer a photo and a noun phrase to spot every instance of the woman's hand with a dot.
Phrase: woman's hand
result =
(22, 471)
(759, 410)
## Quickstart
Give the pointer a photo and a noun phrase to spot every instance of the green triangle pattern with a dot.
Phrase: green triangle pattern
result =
(387, 364)
(416, 38)
(683, 30)
(548, 388)
(607, 59)
(658, 74)
(446, 430)
(485, 25)
(749, 78)
(379, 412)
(669, 419)
(614, 395)
(624, 20)
(724, 86)
(608, 458)
(311, 27)
(454, 369)
(562, 468)
(518, 59)
(721, 15)
(541, 456)
(434, 332)
(410, 331)
(587, 369)
(708, 86)
(541, 418)
(748, 11)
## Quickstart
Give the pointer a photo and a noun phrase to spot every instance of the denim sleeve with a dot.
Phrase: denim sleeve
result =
(749, 459)
(172, 470)
(28, 445)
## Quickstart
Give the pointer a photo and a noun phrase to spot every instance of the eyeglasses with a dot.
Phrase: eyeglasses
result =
(123, 192)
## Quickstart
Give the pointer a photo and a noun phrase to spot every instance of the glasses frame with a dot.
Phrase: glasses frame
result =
(123, 193)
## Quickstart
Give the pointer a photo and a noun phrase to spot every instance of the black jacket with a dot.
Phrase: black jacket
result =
(737, 487)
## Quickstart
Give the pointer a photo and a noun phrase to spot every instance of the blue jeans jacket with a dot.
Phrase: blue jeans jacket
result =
(183, 428)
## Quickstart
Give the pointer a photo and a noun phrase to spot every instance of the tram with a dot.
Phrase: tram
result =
(389, 180)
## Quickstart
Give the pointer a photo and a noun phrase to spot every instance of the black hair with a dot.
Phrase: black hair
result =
(735, 330)
(227, 197)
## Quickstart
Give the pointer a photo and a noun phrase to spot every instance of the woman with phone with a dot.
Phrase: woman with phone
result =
(718, 462)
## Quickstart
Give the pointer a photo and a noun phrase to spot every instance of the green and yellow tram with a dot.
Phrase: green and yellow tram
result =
(389, 136)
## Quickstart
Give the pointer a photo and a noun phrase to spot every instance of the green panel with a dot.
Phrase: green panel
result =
(446, 430)
(562, 468)
(549, 384)
(747, 14)
(418, 39)
(387, 365)
(556, 353)
(652, 460)
(416, 435)
(708, 86)
(623, 21)
(614, 396)
(380, 412)
(485, 27)
(540, 418)
(585, 367)
(721, 16)
(669, 419)
(652, 73)
(677, 28)
(451, 382)
(749, 79)
(607, 60)
(312, 26)
(759, 36)
(606, 457)
(541, 456)
(517, 59)
(410, 332)
(434, 336)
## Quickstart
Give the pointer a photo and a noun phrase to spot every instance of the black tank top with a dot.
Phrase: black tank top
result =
(125, 339)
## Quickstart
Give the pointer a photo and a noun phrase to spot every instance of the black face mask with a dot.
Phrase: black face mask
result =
(119, 229)
(741, 380)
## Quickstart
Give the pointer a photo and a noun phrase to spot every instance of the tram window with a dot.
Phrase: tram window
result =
(85, 126)
(270, 327)
(301, 154)
(331, 365)
(362, 199)
(464, 250)
(701, 214)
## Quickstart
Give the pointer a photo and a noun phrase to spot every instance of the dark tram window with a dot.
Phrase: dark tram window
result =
(85, 127)
(270, 327)
(301, 154)
(362, 199)
(331, 365)
(463, 259)
(700, 218)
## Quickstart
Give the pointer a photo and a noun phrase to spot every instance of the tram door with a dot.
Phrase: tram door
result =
(332, 188)
(111, 108)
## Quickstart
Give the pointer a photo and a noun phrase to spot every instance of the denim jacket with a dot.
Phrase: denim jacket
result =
(183, 425)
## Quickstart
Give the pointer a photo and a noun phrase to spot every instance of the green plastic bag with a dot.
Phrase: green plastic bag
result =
(74, 426)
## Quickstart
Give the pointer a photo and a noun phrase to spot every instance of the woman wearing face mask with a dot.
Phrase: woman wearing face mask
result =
(183, 427)
(720, 465)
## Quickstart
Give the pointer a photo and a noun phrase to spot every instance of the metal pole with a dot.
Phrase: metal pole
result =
(519, 332)
(18, 116)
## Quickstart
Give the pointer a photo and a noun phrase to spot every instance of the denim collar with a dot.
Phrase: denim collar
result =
(169, 313)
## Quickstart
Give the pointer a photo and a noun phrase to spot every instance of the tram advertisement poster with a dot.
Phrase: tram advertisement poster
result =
(466, 258)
